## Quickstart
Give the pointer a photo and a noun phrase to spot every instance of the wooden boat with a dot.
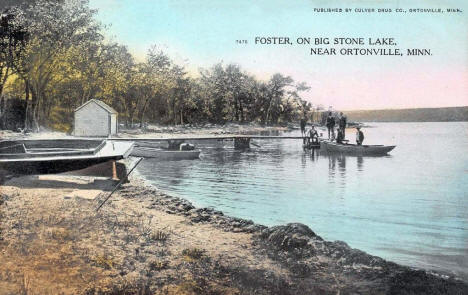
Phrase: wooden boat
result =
(165, 154)
(311, 145)
(49, 156)
(169, 151)
(353, 149)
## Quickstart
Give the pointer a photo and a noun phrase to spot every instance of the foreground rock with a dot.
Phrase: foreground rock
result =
(145, 242)
(354, 271)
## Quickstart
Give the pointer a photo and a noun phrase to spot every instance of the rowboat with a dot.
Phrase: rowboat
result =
(168, 151)
(311, 145)
(47, 156)
(165, 154)
(353, 149)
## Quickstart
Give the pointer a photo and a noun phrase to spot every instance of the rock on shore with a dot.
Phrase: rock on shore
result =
(355, 271)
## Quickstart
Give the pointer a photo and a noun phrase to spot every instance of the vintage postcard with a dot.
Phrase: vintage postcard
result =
(233, 147)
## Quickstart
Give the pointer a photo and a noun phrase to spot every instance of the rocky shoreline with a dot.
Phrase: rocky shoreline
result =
(306, 254)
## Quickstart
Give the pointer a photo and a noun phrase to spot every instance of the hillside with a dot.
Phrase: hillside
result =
(410, 115)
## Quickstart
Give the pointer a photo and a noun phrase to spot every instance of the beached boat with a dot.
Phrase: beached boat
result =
(48, 156)
(165, 154)
(353, 149)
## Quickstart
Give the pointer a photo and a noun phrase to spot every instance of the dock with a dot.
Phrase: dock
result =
(240, 140)
(215, 137)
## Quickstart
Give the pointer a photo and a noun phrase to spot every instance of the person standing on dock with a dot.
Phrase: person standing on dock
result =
(303, 126)
(342, 124)
(359, 136)
(331, 126)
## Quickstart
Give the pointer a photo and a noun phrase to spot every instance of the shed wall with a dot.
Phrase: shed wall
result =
(113, 126)
(92, 120)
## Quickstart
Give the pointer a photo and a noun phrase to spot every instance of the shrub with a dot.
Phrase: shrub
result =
(193, 254)
(104, 261)
(157, 264)
(159, 235)
(60, 234)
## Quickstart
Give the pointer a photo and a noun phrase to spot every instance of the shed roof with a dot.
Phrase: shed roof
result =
(99, 103)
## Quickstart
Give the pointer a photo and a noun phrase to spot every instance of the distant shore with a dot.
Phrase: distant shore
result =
(449, 114)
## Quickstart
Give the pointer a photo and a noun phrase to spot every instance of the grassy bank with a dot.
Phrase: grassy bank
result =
(52, 239)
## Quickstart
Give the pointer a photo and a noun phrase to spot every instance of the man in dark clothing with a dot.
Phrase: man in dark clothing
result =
(342, 124)
(303, 125)
(331, 126)
(359, 136)
(340, 136)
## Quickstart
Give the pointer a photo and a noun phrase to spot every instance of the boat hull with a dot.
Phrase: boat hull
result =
(52, 166)
(148, 152)
(311, 146)
(352, 149)
(52, 156)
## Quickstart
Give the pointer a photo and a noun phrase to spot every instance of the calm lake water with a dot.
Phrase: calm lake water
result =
(410, 207)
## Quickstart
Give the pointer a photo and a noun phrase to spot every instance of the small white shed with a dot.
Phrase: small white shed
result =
(95, 118)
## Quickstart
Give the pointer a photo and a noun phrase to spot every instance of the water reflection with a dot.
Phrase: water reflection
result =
(331, 168)
(336, 168)
(304, 160)
(341, 163)
(342, 170)
(309, 155)
(360, 163)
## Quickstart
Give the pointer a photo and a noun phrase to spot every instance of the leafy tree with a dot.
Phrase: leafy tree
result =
(53, 28)
(12, 41)
(158, 72)
(275, 90)
(215, 82)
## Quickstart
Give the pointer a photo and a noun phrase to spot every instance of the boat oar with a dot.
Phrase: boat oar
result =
(118, 184)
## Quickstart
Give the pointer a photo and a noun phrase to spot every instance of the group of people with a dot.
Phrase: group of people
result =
(340, 136)
(331, 122)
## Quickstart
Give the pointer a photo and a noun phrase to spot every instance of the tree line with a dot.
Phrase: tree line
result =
(54, 58)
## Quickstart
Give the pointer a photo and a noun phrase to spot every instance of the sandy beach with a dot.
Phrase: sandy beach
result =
(52, 241)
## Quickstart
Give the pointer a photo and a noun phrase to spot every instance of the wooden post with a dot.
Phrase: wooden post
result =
(114, 171)
(241, 143)
(118, 184)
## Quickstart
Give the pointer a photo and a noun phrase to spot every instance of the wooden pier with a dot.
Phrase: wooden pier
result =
(214, 137)
(241, 141)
